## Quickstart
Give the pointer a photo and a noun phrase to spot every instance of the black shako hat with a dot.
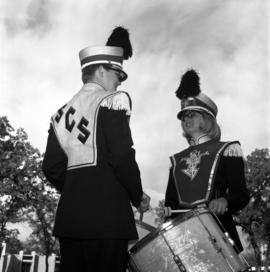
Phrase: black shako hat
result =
(191, 97)
(117, 49)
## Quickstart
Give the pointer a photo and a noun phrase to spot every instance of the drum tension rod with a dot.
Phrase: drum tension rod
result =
(179, 263)
(214, 243)
(175, 257)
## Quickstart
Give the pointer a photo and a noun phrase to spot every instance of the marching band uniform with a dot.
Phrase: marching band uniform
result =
(88, 171)
(190, 183)
(90, 159)
(208, 169)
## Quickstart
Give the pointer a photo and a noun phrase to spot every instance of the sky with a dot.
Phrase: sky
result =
(227, 42)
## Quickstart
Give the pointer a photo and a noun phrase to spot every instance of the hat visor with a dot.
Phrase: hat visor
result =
(194, 108)
(122, 74)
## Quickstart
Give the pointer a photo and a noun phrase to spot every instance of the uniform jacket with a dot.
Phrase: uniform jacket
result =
(89, 158)
(229, 182)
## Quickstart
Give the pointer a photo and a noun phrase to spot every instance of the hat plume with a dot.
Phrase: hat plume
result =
(120, 37)
(189, 85)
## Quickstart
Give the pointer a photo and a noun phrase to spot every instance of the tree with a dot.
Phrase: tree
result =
(14, 245)
(15, 150)
(25, 194)
(255, 218)
(159, 212)
(42, 201)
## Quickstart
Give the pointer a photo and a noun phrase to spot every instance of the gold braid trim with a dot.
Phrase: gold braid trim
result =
(117, 101)
(233, 150)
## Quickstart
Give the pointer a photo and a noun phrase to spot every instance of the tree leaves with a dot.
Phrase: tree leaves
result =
(25, 194)
(255, 218)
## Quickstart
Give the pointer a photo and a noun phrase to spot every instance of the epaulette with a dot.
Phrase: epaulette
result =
(118, 101)
(233, 150)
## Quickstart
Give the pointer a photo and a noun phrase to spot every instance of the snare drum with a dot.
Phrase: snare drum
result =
(193, 242)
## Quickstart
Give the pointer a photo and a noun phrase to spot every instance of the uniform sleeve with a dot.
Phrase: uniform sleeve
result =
(171, 198)
(55, 162)
(117, 132)
(237, 194)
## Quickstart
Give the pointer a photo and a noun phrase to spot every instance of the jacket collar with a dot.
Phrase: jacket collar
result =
(199, 140)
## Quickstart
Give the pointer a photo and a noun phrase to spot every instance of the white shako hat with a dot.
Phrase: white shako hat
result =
(117, 49)
(192, 98)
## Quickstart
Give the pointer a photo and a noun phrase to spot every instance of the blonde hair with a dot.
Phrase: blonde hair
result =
(211, 127)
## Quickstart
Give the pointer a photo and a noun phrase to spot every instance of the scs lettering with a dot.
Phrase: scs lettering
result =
(70, 123)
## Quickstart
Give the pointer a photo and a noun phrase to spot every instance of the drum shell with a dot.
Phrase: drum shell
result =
(195, 238)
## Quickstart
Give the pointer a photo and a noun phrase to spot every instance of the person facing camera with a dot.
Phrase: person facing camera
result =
(209, 171)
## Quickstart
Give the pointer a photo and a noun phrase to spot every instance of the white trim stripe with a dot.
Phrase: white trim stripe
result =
(101, 62)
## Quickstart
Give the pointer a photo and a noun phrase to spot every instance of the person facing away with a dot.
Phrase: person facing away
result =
(209, 171)
(90, 160)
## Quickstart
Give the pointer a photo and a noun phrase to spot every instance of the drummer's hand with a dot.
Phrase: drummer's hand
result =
(145, 203)
(219, 205)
